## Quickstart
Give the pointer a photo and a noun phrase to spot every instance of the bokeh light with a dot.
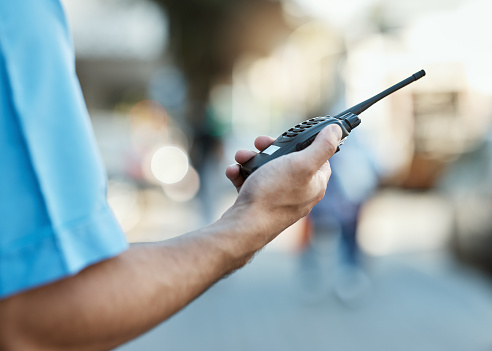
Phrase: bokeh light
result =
(169, 164)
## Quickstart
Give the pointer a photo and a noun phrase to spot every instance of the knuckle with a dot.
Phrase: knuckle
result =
(328, 172)
(305, 210)
(320, 195)
(326, 176)
(303, 167)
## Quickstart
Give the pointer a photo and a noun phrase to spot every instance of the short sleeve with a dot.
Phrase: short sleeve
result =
(54, 217)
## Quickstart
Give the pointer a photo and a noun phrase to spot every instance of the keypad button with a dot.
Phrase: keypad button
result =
(305, 143)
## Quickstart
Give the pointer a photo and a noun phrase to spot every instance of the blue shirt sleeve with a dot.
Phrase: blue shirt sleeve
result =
(54, 218)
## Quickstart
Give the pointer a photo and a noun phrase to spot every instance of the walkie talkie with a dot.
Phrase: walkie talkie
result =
(303, 134)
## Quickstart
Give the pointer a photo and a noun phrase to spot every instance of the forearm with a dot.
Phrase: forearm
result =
(118, 299)
(115, 300)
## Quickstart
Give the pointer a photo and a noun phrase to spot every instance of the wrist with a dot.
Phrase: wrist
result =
(253, 225)
(241, 233)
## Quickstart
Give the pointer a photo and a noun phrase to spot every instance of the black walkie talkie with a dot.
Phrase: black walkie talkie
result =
(303, 134)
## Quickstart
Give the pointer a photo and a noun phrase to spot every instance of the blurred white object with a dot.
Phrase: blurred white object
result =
(169, 164)
(124, 29)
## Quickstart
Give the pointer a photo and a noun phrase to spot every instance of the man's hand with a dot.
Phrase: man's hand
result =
(285, 189)
(97, 309)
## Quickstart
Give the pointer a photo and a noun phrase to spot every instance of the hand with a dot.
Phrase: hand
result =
(285, 189)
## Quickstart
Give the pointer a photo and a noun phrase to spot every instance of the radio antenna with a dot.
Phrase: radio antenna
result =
(359, 108)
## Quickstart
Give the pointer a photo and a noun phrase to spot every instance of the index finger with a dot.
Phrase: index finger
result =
(263, 141)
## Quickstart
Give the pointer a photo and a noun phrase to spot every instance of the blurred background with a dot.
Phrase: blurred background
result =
(398, 255)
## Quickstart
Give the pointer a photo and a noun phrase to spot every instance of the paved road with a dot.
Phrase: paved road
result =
(415, 303)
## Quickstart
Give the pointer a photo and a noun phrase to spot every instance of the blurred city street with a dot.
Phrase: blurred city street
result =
(397, 256)
(395, 252)
(415, 302)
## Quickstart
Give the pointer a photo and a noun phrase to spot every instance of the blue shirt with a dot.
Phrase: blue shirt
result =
(54, 218)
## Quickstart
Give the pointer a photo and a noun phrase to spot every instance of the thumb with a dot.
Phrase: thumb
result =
(323, 147)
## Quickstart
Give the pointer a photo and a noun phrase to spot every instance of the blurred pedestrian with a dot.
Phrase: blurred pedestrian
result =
(354, 179)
